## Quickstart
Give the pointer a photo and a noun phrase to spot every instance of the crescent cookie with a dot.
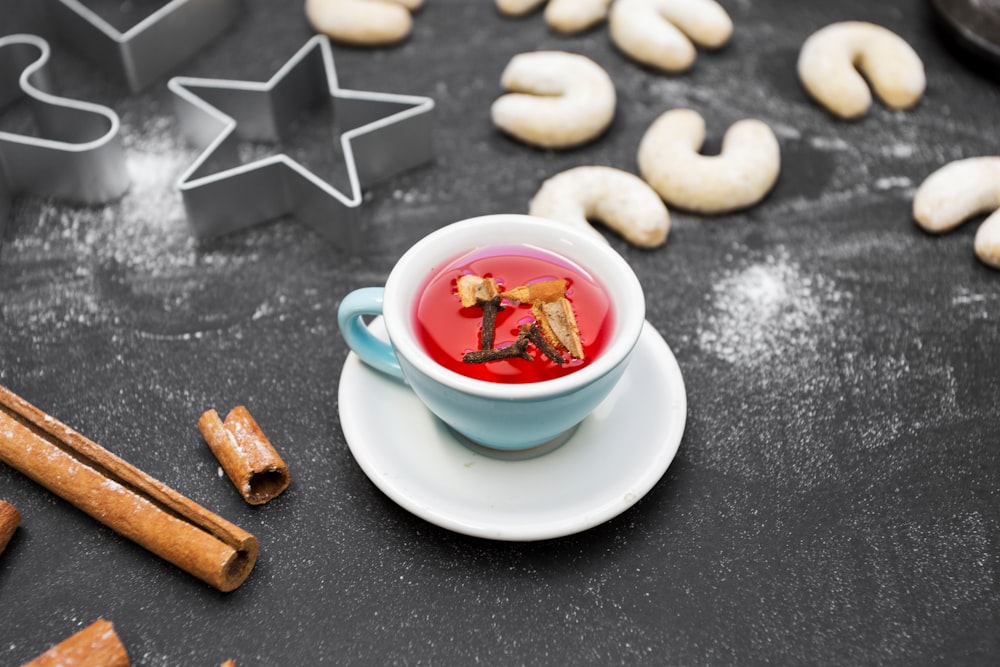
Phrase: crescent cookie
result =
(830, 60)
(362, 22)
(621, 201)
(958, 191)
(738, 177)
(565, 16)
(557, 99)
(663, 33)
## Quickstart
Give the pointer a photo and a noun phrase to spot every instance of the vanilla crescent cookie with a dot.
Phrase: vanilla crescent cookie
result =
(558, 99)
(518, 7)
(565, 16)
(362, 22)
(958, 191)
(738, 177)
(830, 60)
(621, 201)
(663, 33)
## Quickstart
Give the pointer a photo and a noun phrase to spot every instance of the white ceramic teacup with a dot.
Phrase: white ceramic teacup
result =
(481, 411)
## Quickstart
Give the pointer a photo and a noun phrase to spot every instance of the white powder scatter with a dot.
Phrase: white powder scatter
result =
(143, 237)
(682, 93)
(829, 144)
(156, 659)
(964, 297)
(263, 310)
(154, 234)
(407, 197)
(893, 182)
(145, 229)
(111, 486)
(899, 150)
(976, 305)
(766, 310)
(785, 131)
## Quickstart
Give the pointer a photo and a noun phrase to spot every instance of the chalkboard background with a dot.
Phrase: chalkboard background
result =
(835, 496)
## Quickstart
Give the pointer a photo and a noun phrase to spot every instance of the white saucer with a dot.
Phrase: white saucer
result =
(613, 459)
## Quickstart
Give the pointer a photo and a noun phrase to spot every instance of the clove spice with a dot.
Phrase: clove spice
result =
(517, 349)
(535, 335)
(484, 293)
(487, 334)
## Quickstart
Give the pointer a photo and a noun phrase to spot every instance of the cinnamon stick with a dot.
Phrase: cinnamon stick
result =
(97, 645)
(544, 291)
(558, 324)
(245, 453)
(123, 497)
(9, 518)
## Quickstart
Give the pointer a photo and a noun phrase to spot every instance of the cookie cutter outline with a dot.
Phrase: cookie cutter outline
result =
(377, 145)
(150, 48)
(76, 156)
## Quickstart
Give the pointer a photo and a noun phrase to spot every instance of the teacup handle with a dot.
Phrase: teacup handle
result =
(373, 351)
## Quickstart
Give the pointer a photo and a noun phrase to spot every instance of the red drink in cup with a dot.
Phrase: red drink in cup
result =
(448, 330)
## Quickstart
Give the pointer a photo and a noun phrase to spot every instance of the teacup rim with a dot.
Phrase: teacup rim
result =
(620, 347)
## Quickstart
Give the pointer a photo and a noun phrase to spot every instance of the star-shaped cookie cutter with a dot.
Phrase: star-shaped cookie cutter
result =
(76, 154)
(153, 46)
(382, 135)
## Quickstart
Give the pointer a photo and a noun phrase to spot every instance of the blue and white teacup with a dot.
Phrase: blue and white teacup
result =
(498, 416)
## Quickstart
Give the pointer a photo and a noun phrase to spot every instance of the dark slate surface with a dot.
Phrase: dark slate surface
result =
(835, 496)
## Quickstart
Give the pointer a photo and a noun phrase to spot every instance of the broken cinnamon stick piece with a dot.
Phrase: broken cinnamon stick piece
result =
(97, 645)
(245, 453)
(9, 518)
(123, 497)
(558, 323)
(543, 291)
(476, 290)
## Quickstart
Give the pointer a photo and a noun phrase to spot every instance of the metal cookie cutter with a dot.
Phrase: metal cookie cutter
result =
(77, 153)
(382, 135)
(152, 47)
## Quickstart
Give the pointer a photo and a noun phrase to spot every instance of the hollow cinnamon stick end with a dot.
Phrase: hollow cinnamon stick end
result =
(269, 473)
(236, 570)
(9, 519)
(245, 453)
(265, 485)
(96, 644)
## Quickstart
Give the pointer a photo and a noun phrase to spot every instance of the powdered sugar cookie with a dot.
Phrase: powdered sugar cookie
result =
(565, 16)
(831, 58)
(558, 99)
(362, 22)
(621, 201)
(663, 33)
(738, 177)
(958, 191)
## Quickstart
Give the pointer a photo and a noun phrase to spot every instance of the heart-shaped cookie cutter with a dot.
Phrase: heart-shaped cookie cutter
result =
(76, 152)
